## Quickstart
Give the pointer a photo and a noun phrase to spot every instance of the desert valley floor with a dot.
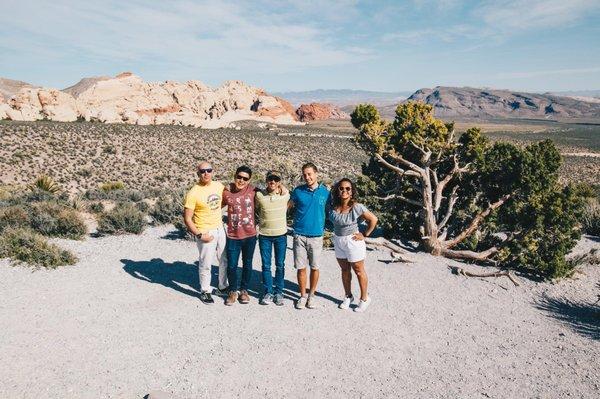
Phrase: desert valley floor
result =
(126, 320)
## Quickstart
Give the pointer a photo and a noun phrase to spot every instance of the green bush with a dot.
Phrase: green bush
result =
(590, 220)
(124, 218)
(142, 206)
(96, 207)
(55, 220)
(24, 245)
(112, 185)
(167, 209)
(13, 216)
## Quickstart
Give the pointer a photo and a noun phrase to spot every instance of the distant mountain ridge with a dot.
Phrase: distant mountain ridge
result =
(343, 97)
(490, 103)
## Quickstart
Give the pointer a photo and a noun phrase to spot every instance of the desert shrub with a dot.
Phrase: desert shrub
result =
(590, 220)
(85, 172)
(13, 216)
(77, 203)
(96, 207)
(55, 220)
(112, 185)
(142, 206)
(24, 245)
(124, 218)
(45, 183)
(37, 195)
(168, 208)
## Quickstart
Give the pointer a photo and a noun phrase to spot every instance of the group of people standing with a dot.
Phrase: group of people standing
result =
(261, 215)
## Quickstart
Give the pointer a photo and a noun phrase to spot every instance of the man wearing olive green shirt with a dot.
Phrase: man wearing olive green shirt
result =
(271, 206)
(202, 216)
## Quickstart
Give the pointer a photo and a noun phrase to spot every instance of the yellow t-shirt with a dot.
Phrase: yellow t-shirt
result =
(206, 203)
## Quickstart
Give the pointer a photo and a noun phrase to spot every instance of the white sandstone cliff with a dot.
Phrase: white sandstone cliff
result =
(126, 98)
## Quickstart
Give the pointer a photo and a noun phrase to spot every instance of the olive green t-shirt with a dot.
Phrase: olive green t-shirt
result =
(271, 209)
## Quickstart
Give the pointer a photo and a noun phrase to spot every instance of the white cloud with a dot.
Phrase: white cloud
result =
(185, 36)
(506, 16)
(494, 21)
(554, 72)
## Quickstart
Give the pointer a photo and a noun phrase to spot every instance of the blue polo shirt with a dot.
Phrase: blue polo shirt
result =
(309, 216)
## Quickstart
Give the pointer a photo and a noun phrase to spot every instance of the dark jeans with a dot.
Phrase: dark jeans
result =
(234, 247)
(266, 245)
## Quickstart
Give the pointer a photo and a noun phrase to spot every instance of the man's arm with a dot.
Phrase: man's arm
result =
(188, 213)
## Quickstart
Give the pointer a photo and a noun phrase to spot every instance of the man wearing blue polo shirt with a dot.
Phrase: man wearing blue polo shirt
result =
(308, 201)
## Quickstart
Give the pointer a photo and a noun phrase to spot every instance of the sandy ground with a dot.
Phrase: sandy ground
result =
(126, 320)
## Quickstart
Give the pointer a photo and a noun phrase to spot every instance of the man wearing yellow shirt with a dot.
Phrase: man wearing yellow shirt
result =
(202, 215)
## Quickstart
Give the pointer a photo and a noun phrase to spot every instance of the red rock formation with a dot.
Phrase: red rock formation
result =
(159, 110)
(318, 112)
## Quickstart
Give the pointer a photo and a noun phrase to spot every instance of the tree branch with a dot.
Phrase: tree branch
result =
(406, 163)
(402, 198)
(475, 223)
(396, 169)
(500, 273)
(451, 203)
(469, 255)
(425, 154)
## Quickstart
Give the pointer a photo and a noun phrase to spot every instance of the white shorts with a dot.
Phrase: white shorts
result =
(349, 249)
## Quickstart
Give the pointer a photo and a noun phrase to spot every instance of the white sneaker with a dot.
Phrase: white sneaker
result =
(311, 302)
(363, 305)
(346, 302)
(301, 302)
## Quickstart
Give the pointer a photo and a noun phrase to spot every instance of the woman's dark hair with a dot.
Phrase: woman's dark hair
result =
(336, 200)
(244, 169)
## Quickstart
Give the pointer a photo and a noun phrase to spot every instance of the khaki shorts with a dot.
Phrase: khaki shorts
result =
(307, 251)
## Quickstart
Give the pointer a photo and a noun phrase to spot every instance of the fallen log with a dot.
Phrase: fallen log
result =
(396, 251)
(460, 271)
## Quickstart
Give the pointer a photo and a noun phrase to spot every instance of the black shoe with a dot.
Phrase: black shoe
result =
(221, 292)
(205, 297)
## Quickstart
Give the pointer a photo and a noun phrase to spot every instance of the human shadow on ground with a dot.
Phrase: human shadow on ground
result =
(584, 318)
(181, 275)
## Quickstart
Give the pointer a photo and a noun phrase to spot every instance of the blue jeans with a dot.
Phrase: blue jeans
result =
(233, 248)
(266, 245)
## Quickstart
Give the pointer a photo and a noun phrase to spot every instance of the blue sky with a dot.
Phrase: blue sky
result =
(282, 45)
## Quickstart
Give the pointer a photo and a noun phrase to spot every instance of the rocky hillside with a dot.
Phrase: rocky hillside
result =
(488, 103)
(126, 98)
(9, 88)
(318, 112)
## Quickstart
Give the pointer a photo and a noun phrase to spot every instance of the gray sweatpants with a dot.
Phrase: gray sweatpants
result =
(212, 253)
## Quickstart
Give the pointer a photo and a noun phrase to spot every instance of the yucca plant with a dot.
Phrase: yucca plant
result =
(45, 183)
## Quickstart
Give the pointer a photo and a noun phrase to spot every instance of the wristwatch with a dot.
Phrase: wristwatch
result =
(199, 236)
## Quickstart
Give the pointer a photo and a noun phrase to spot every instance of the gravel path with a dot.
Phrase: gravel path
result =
(126, 320)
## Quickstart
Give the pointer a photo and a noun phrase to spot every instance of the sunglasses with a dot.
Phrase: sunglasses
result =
(342, 189)
(276, 179)
(244, 178)
(203, 171)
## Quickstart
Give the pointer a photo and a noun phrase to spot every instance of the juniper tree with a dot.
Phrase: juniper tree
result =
(467, 198)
